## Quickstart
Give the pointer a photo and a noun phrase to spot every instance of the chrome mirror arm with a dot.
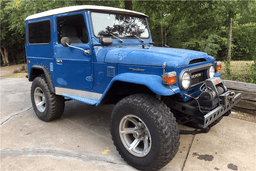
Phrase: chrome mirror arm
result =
(85, 51)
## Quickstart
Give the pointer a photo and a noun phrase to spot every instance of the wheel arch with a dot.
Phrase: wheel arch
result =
(37, 70)
(131, 83)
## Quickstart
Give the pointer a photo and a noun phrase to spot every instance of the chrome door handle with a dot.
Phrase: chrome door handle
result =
(58, 60)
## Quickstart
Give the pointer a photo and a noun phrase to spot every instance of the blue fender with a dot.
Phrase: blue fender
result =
(217, 74)
(153, 82)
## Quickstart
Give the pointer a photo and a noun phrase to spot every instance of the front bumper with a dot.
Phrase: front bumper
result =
(210, 114)
(219, 111)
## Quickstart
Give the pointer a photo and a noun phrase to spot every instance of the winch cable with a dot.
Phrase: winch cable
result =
(195, 98)
(196, 101)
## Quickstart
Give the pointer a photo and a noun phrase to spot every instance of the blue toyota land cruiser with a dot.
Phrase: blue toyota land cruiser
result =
(104, 55)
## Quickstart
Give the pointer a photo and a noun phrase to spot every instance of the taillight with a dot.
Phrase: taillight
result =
(169, 78)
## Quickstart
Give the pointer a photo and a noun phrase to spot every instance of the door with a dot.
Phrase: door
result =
(72, 66)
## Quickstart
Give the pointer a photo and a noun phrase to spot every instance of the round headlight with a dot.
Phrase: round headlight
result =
(185, 80)
(211, 72)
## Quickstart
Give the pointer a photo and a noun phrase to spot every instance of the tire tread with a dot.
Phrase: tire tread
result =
(56, 103)
(164, 121)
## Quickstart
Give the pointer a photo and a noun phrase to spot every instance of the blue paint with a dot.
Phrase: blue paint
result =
(97, 71)
(61, 81)
(217, 74)
(153, 82)
(154, 56)
(100, 77)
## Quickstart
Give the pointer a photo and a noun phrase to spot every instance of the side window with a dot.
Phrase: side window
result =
(39, 32)
(72, 27)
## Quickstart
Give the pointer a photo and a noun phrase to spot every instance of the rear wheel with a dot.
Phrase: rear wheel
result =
(46, 105)
(144, 132)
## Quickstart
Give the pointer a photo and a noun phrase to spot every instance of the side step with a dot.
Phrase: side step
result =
(81, 99)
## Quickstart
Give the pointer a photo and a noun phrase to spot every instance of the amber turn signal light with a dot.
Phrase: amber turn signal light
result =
(172, 80)
(169, 78)
(218, 67)
(165, 78)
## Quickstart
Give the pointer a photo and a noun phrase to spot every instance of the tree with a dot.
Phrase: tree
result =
(196, 25)
(128, 4)
(13, 14)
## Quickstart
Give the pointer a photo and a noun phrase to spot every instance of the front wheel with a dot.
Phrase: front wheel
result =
(144, 132)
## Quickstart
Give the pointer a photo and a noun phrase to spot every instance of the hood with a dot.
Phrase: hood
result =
(154, 56)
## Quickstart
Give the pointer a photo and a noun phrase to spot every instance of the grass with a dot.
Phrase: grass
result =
(239, 71)
(17, 75)
(240, 67)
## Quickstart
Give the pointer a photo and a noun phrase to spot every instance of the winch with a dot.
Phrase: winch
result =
(210, 91)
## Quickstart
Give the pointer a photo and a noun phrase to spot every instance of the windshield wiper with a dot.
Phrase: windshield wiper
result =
(136, 37)
(110, 34)
(116, 37)
(139, 38)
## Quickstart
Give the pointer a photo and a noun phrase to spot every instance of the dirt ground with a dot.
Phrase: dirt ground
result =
(19, 71)
(8, 71)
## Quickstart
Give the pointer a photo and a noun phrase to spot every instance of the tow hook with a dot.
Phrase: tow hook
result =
(227, 97)
(231, 96)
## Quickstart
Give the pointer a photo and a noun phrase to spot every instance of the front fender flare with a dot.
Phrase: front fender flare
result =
(153, 82)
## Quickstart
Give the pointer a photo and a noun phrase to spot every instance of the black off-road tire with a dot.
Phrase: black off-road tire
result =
(161, 124)
(54, 104)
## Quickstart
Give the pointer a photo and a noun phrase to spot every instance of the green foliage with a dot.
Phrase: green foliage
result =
(196, 25)
(251, 74)
(13, 14)
(204, 25)
(227, 64)
(209, 45)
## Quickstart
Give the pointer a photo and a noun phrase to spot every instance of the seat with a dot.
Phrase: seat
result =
(70, 32)
(84, 36)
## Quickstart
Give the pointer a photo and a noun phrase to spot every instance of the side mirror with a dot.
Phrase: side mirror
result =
(105, 41)
(64, 41)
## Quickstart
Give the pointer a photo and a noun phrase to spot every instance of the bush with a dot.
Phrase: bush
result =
(247, 74)
(251, 74)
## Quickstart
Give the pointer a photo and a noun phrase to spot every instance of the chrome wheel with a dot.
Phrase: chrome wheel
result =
(135, 135)
(40, 100)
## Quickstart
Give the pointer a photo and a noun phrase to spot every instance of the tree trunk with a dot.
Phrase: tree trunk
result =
(128, 4)
(230, 39)
(5, 56)
(2, 54)
(24, 55)
(165, 34)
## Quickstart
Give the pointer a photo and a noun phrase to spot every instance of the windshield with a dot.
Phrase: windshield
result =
(120, 25)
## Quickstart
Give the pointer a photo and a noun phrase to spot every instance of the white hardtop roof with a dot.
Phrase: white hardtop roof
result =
(79, 8)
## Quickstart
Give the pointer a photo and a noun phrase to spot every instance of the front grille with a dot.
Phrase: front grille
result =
(197, 77)
(197, 73)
